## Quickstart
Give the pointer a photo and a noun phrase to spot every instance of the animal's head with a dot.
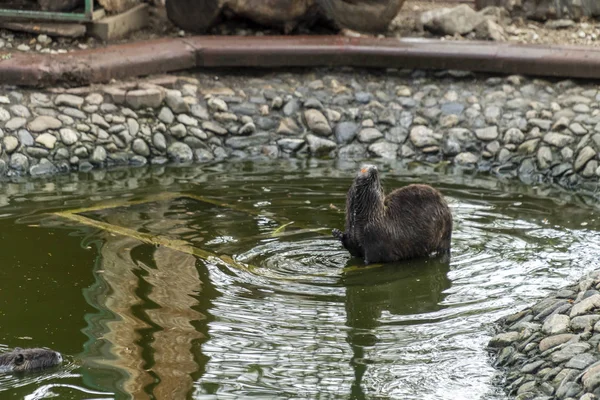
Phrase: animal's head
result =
(368, 175)
(21, 360)
(367, 183)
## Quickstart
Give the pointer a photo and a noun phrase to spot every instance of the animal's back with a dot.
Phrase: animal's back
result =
(416, 222)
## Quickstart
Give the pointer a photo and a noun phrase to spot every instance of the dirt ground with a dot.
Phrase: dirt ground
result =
(405, 25)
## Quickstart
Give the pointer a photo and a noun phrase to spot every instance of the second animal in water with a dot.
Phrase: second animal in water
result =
(413, 221)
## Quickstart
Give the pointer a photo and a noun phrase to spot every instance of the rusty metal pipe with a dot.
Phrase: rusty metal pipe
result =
(176, 54)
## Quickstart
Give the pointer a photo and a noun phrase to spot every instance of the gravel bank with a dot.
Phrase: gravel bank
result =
(538, 131)
(551, 350)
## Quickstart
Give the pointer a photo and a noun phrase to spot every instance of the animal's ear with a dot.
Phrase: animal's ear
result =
(19, 359)
(18, 348)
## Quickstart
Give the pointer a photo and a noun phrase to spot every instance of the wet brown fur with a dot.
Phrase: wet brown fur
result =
(413, 221)
(24, 360)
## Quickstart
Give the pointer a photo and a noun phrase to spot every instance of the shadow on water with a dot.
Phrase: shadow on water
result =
(404, 288)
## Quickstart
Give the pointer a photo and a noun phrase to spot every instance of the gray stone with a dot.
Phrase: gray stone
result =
(44, 167)
(187, 120)
(362, 97)
(133, 126)
(225, 117)
(214, 128)
(37, 152)
(313, 103)
(569, 351)
(216, 104)
(179, 131)
(581, 361)
(4, 115)
(369, 135)
(141, 98)
(345, 132)
(44, 123)
(492, 114)
(288, 126)
(166, 115)
(194, 142)
(318, 145)
(581, 108)
(200, 112)
(503, 339)
(176, 102)
(291, 107)
(290, 144)
(247, 129)
(180, 152)
(558, 139)
(585, 306)
(514, 136)
(590, 169)
(25, 137)
(159, 141)
(555, 324)
(577, 128)
(543, 124)
(396, 134)
(387, 117)
(47, 140)
(317, 122)
(62, 154)
(10, 143)
(71, 112)
(15, 123)
(98, 156)
(407, 151)
(19, 110)
(242, 142)
(19, 162)
(203, 155)
(544, 157)
(568, 390)
(488, 133)
(584, 322)
(352, 151)
(421, 136)
(449, 21)
(140, 147)
(69, 100)
(559, 24)
(585, 155)
(81, 152)
(384, 150)
(94, 99)
(591, 378)
(466, 158)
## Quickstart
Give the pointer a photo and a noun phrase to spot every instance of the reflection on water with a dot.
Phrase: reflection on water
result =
(303, 319)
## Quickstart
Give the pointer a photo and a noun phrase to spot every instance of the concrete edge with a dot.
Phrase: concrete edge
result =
(176, 54)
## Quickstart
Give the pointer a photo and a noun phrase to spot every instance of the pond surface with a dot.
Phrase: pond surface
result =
(223, 280)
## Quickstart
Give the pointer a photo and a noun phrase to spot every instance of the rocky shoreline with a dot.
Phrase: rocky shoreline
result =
(551, 350)
(536, 130)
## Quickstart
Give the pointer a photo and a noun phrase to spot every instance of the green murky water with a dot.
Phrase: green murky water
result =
(230, 301)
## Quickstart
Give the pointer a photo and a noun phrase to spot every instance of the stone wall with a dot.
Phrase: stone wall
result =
(532, 129)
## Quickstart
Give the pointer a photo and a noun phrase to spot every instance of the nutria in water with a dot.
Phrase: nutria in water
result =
(412, 221)
(25, 360)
